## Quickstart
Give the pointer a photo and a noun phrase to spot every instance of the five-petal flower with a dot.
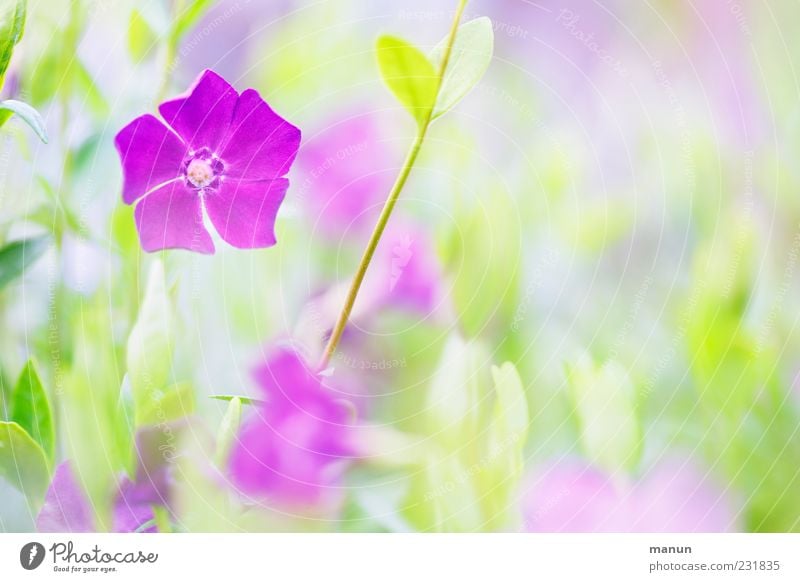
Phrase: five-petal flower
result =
(220, 151)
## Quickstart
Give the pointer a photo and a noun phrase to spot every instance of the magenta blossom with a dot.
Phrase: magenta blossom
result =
(67, 509)
(673, 497)
(348, 171)
(292, 450)
(221, 152)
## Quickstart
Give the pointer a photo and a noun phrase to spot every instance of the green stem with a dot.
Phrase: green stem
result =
(391, 202)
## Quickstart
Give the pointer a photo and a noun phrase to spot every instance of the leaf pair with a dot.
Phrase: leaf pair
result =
(27, 439)
(415, 78)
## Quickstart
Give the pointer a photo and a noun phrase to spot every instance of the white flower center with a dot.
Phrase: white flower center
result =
(200, 173)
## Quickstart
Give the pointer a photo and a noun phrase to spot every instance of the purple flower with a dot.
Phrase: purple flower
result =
(292, 450)
(67, 509)
(348, 172)
(673, 497)
(221, 152)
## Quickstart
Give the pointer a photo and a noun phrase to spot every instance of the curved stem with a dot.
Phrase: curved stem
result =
(391, 201)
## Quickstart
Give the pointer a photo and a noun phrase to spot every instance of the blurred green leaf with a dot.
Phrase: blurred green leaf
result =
(141, 37)
(91, 419)
(508, 430)
(12, 25)
(19, 255)
(750, 427)
(186, 18)
(469, 60)
(510, 417)
(55, 214)
(87, 90)
(457, 388)
(443, 496)
(174, 402)
(228, 429)
(23, 462)
(409, 75)
(242, 399)
(51, 73)
(150, 346)
(483, 257)
(605, 405)
(30, 408)
(27, 114)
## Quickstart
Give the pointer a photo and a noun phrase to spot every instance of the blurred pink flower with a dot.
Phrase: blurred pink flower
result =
(221, 151)
(405, 271)
(348, 172)
(293, 448)
(67, 509)
(673, 497)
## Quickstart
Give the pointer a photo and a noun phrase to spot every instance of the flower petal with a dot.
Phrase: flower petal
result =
(203, 115)
(171, 217)
(151, 155)
(65, 508)
(244, 212)
(260, 145)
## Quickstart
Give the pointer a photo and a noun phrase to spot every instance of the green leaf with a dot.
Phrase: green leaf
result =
(92, 419)
(605, 405)
(18, 256)
(149, 354)
(507, 434)
(87, 90)
(243, 399)
(228, 429)
(510, 415)
(161, 519)
(188, 17)
(28, 114)
(141, 37)
(12, 25)
(456, 391)
(483, 257)
(176, 401)
(409, 75)
(23, 462)
(30, 408)
(469, 59)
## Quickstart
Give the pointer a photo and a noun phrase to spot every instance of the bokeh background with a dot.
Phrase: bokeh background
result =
(615, 210)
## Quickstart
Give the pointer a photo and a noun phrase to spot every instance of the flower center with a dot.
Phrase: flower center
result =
(203, 169)
(199, 173)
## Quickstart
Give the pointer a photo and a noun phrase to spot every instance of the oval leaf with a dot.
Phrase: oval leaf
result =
(604, 401)
(30, 408)
(469, 59)
(19, 255)
(409, 75)
(28, 114)
(23, 462)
